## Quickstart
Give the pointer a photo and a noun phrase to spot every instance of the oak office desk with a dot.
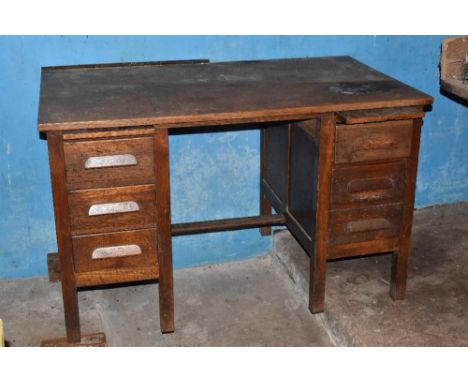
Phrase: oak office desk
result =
(339, 152)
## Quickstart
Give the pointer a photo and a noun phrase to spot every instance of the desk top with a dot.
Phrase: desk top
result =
(201, 94)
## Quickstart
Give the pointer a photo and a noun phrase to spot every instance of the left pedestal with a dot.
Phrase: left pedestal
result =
(112, 216)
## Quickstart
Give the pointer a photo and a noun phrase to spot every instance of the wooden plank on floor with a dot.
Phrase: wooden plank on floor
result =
(88, 340)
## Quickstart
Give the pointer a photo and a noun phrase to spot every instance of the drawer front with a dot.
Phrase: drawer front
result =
(109, 163)
(115, 251)
(107, 210)
(365, 224)
(373, 141)
(368, 184)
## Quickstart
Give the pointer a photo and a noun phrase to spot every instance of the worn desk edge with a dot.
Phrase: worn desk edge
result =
(230, 118)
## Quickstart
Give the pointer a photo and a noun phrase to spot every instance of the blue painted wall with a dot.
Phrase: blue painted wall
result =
(213, 175)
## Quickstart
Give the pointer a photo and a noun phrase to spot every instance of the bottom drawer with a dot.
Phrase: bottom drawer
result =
(365, 224)
(115, 250)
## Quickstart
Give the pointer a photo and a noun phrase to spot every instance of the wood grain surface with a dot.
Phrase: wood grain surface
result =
(378, 115)
(64, 240)
(361, 185)
(83, 247)
(365, 224)
(373, 141)
(200, 95)
(79, 153)
(82, 222)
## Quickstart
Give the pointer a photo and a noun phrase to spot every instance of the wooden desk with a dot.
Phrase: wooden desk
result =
(339, 152)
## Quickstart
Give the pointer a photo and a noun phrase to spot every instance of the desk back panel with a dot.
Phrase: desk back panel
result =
(302, 199)
(290, 177)
(276, 141)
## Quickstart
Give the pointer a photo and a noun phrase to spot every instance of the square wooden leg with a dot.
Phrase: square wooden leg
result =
(71, 310)
(401, 258)
(164, 236)
(265, 206)
(318, 260)
(53, 267)
(265, 210)
(166, 307)
(318, 270)
(64, 241)
(399, 274)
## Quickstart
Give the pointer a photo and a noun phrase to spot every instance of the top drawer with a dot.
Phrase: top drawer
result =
(109, 163)
(373, 141)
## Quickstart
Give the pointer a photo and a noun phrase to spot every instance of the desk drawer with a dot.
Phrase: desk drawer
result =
(368, 184)
(373, 141)
(365, 224)
(107, 210)
(109, 163)
(115, 250)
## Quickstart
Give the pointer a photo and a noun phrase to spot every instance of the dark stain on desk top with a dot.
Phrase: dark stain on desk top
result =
(201, 94)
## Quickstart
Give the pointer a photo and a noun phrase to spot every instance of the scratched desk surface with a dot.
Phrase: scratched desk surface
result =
(213, 93)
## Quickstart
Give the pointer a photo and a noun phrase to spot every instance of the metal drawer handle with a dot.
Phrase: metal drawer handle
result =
(111, 161)
(117, 251)
(113, 208)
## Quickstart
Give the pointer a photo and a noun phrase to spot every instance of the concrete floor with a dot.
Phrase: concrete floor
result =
(248, 303)
(263, 301)
(358, 309)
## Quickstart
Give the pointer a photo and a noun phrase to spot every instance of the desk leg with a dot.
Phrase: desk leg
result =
(63, 231)
(400, 259)
(164, 238)
(265, 205)
(318, 259)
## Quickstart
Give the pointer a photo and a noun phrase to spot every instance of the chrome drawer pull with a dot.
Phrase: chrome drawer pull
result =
(113, 208)
(111, 161)
(118, 251)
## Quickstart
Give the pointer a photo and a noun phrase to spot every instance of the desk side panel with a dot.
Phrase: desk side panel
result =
(303, 178)
(276, 164)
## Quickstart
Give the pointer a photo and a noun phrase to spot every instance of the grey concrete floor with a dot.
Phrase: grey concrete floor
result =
(358, 309)
(263, 301)
(248, 303)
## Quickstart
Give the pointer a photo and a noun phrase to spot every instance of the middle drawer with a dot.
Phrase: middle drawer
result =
(368, 184)
(108, 210)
